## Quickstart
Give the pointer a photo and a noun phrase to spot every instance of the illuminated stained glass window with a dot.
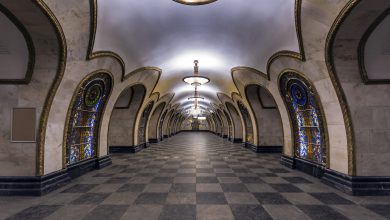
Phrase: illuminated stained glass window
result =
(142, 123)
(305, 113)
(84, 121)
(247, 123)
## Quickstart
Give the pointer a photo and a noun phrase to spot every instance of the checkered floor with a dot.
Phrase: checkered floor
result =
(195, 176)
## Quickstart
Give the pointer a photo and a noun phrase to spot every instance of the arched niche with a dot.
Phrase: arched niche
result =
(237, 125)
(153, 128)
(143, 123)
(166, 122)
(84, 117)
(249, 135)
(225, 131)
(160, 125)
(267, 116)
(122, 122)
(307, 118)
(230, 125)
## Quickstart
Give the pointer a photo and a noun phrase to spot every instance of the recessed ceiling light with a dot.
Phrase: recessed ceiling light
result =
(194, 2)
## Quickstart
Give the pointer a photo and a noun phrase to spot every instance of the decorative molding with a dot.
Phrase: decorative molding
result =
(362, 47)
(54, 86)
(30, 48)
(41, 185)
(329, 59)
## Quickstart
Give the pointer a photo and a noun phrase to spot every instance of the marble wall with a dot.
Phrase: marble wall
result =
(19, 159)
(269, 123)
(369, 104)
(121, 128)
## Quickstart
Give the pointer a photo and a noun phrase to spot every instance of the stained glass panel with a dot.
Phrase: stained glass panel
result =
(85, 116)
(301, 100)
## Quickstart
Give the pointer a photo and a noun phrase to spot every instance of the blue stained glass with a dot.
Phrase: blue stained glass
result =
(85, 118)
(307, 124)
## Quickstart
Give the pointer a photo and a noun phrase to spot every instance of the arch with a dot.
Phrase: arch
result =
(160, 125)
(248, 126)
(121, 126)
(306, 116)
(267, 115)
(237, 125)
(87, 106)
(153, 128)
(225, 133)
(230, 124)
(143, 123)
(166, 123)
(361, 97)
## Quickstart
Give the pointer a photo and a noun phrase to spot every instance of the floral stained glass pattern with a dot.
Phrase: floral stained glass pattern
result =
(84, 120)
(247, 123)
(306, 117)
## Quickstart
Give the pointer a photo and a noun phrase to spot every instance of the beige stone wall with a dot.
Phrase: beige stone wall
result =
(369, 104)
(121, 127)
(75, 15)
(19, 159)
(316, 21)
(269, 123)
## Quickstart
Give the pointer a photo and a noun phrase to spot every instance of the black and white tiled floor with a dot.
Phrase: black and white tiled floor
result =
(195, 176)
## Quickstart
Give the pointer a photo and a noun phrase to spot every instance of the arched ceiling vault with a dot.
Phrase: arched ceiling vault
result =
(222, 35)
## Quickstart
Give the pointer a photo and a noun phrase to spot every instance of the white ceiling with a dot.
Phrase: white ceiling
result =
(221, 35)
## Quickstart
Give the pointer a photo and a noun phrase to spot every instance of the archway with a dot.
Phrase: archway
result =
(142, 142)
(153, 128)
(267, 116)
(122, 122)
(237, 125)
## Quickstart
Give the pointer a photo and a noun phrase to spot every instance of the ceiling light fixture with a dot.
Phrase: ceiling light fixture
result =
(194, 2)
(195, 81)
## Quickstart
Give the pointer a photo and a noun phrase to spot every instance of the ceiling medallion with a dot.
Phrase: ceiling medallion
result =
(195, 2)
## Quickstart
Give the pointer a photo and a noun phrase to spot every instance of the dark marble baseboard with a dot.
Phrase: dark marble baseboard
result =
(358, 185)
(236, 140)
(153, 140)
(305, 166)
(126, 149)
(165, 136)
(352, 185)
(41, 185)
(264, 149)
(225, 136)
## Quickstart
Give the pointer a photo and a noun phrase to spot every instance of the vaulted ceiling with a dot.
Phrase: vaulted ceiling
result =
(221, 35)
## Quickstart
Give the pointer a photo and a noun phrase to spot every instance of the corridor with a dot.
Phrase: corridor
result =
(195, 175)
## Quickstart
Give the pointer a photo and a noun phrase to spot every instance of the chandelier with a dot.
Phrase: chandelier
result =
(195, 80)
(194, 2)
